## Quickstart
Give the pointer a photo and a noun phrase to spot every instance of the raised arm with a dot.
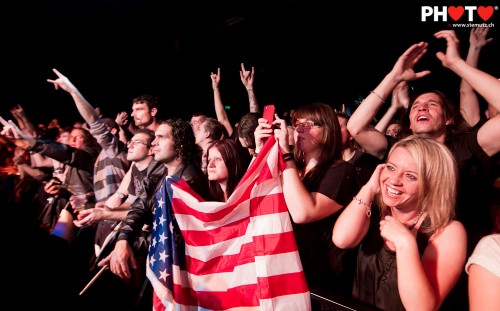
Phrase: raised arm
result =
(352, 225)
(84, 108)
(122, 120)
(359, 126)
(304, 206)
(219, 107)
(12, 132)
(400, 99)
(247, 80)
(469, 102)
(24, 122)
(484, 84)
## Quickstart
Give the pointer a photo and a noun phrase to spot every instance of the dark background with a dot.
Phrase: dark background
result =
(302, 51)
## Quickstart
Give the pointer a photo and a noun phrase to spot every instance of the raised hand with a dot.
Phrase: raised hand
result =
(281, 134)
(62, 82)
(477, 38)
(374, 181)
(262, 132)
(122, 118)
(14, 133)
(215, 79)
(247, 76)
(452, 48)
(400, 95)
(403, 69)
(17, 111)
(11, 130)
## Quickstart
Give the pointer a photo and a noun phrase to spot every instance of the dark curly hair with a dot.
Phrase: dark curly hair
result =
(184, 141)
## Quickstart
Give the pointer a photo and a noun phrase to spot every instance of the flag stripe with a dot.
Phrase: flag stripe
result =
(268, 288)
(279, 243)
(233, 228)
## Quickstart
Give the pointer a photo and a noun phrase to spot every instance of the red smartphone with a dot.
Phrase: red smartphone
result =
(269, 113)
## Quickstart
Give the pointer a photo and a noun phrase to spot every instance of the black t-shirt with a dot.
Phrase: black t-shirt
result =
(365, 164)
(136, 180)
(475, 189)
(326, 266)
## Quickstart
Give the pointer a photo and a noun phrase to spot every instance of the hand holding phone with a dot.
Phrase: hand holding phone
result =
(269, 113)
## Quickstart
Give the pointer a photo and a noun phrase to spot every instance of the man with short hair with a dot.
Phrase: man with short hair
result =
(116, 207)
(196, 120)
(144, 111)
(111, 292)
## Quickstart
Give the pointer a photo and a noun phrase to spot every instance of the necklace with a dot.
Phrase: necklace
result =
(414, 222)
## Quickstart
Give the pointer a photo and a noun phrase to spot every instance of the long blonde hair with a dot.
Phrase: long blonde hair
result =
(438, 179)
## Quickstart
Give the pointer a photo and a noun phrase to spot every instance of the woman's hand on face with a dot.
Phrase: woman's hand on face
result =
(374, 182)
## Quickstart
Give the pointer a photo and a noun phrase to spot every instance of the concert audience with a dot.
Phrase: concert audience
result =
(324, 169)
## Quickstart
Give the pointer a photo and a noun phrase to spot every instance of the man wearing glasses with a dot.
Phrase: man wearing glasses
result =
(109, 290)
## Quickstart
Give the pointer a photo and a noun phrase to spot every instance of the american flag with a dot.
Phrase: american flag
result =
(239, 254)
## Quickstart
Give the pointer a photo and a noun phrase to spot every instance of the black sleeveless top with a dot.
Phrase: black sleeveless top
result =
(376, 281)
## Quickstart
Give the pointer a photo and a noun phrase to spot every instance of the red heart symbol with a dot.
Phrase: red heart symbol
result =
(485, 12)
(456, 12)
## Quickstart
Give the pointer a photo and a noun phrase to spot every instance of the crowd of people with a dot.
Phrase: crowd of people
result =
(399, 215)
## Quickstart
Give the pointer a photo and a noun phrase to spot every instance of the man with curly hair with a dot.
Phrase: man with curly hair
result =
(174, 146)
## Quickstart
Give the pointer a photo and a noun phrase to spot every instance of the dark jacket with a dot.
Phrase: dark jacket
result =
(141, 208)
(80, 175)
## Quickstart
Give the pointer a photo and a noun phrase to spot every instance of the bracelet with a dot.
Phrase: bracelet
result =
(367, 206)
(379, 97)
(287, 156)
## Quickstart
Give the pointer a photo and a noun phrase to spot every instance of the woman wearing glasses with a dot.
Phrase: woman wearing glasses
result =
(317, 184)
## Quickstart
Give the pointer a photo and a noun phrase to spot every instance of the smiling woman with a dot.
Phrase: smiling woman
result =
(413, 235)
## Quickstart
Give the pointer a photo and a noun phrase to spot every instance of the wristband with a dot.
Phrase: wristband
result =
(287, 156)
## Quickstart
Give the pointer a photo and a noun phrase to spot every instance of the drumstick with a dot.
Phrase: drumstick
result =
(98, 274)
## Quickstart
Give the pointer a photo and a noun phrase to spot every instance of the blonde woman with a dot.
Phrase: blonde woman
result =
(411, 250)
